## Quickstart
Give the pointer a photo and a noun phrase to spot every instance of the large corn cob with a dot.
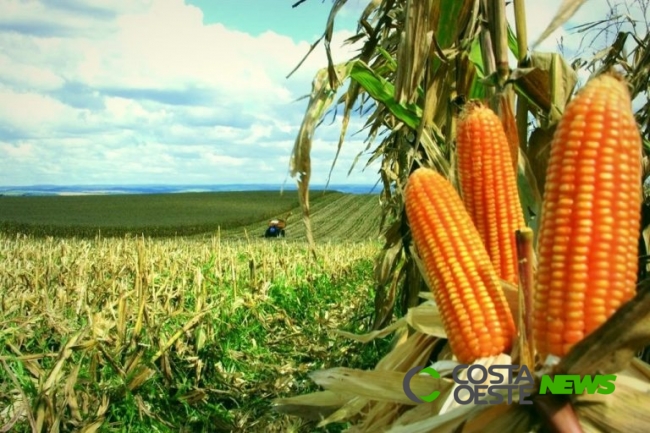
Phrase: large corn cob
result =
(473, 307)
(488, 186)
(588, 240)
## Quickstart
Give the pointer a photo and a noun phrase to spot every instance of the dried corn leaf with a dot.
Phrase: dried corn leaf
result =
(449, 423)
(327, 35)
(386, 275)
(70, 394)
(511, 418)
(415, 351)
(624, 411)
(380, 414)
(142, 375)
(313, 406)
(350, 410)
(20, 405)
(134, 361)
(638, 369)
(27, 360)
(92, 426)
(322, 96)
(56, 372)
(469, 419)
(564, 14)
(413, 50)
(189, 325)
(366, 338)
(426, 319)
(421, 412)
(626, 381)
(378, 385)
(547, 84)
(423, 270)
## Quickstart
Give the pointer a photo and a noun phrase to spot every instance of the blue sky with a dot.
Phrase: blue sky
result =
(305, 22)
(174, 92)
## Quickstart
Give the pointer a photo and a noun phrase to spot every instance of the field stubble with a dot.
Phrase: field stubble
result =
(164, 335)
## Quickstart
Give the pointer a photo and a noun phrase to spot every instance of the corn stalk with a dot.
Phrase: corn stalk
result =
(420, 61)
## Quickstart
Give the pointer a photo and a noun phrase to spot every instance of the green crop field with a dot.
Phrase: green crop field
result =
(334, 217)
(236, 214)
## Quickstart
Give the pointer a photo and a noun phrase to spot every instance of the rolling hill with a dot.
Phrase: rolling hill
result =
(334, 217)
(235, 215)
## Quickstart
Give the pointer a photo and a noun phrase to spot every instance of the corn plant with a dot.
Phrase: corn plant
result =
(419, 62)
(580, 312)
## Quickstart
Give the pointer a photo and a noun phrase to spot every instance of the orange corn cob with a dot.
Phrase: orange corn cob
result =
(488, 185)
(473, 307)
(588, 239)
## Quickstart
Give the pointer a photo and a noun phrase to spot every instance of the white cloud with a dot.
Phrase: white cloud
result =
(20, 151)
(221, 160)
(31, 111)
(29, 76)
(141, 91)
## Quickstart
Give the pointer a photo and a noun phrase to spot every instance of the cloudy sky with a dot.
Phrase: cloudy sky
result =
(173, 91)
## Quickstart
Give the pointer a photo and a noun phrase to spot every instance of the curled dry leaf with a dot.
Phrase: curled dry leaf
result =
(378, 385)
(564, 14)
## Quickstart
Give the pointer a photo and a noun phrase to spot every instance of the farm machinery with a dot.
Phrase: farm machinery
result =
(275, 228)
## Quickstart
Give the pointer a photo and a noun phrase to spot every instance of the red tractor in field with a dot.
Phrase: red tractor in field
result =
(275, 228)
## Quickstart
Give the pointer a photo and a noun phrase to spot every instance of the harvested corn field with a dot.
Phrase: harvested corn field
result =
(172, 335)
